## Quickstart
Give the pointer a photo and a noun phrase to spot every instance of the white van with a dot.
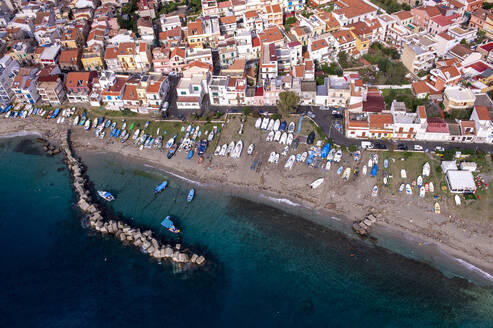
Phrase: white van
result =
(366, 144)
(418, 147)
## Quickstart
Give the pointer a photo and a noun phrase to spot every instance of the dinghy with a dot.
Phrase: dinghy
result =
(370, 163)
(277, 136)
(325, 151)
(331, 154)
(457, 200)
(365, 168)
(76, 120)
(374, 191)
(283, 125)
(277, 123)
(290, 139)
(427, 187)
(258, 123)
(265, 123)
(422, 192)
(338, 156)
(419, 181)
(403, 174)
(303, 157)
(250, 149)
(291, 127)
(271, 157)
(315, 184)
(160, 187)
(106, 195)
(437, 208)
(284, 138)
(217, 151)
(270, 127)
(409, 191)
(426, 170)
(191, 195)
(385, 163)
(346, 174)
(432, 187)
(290, 162)
(401, 188)
(327, 166)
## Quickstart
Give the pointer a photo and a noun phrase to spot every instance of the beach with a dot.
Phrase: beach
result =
(334, 203)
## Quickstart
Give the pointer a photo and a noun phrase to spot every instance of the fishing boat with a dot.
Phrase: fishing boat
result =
(113, 125)
(277, 135)
(374, 170)
(270, 127)
(325, 151)
(303, 157)
(283, 126)
(238, 149)
(290, 162)
(258, 123)
(102, 135)
(285, 151)
(107, 124)
(250, 149)
(231, 148)
(409, 190)
(171, 151)
(168, 224)
(276, 158)
(200, 160)
(277, 123)
(95, 122)
(419, 181)
(436, 208)
(370, 163)
(385, 180)
(217, 151)
(87, 125)
(426, 169)
(422, 192)
(270, 136)
(427, 187)
(338, 156)
(124, 126)
(457, 200)
(365, 169)
(385, 163)
(401, 187)
(375, 158)
(131, 126)
(295, 143)
(223, 150)
(210, 137)
(190, 154)
(374, 191)
(190, 195)
(284, 138)
(403, 174)
(315, 184)
(136, 134)
(290, 139)
(146, 125)
(76, 120)
(161, 187)
(357, 156)
(346, 174)
(339, 170)
(272, 156)
(291, 127)
(432, 187)
(59, 120)
(331, 154)
(170, 142)
(265, 123)
(106, 195)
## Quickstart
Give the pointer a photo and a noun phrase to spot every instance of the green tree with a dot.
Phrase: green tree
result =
(287, 103)
(463, 41)
(342, 58)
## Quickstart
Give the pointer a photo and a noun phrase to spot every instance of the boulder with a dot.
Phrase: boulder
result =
(175, 256)
(138, 242)
(154, 243)
(157, 254)
(168, 252)
(150, 250)
(182, 257)
(178, 246)
(200, 260)
(194, 258)
(367, 222)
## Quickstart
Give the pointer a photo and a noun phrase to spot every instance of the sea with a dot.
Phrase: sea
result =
(266, 267)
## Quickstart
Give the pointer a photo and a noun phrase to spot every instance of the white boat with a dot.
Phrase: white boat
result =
(338, 156)
(426, 169)
(95, 123)
(374, 191)
(303, 157)
(276, 158)
(291, 127)
(346, 174)
(124, 126)
(315, 184)
(76, 120)
(270, 136)
(431, 186)
(277, 135)
(331, 154)
(136, 134)
(285, 151)
(375, 158)
(211, 136)
(457, 200)
(250, 149)
(271, 157)
(403, 174)
(230, 149)
(401, 187)
(422, 192)
(385, 180)
(223, 150)
(265, 123)
(290, 139)
(290, 162)
(258, 123)
(106, 195)
(63, 119)
(238, 149)
(170, 143)
(364, 170)
(284, 138)
(59, 120)
(277, 123)
(419, 181)
(270, 127)
(327, 165)
(217, 151)
(370, 163)
(87, 125)
(101, 136)
(409, 191)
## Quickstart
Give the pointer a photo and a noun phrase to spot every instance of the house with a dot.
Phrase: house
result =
(488, 26)
(436, 129)
(272, 15)
(8, 70)
(169, 23)
(343, 41)
(442, 77)
(72, 38)
(441, 23)
(486, 50)
(271, 35)
(350, 11)
(478, 18)
(268, 62)
(319, 50)
(421, 89)
(460, 182)
(92, 58)
(209, 8)
(419, 53)
(227, 24)
(79, 86)
(227, 91)
(403, 17)
(227, 55)
(338, 91)
(171, 38)
(381, 125)
(445, 42)
(203, 33)
(146, 8)
(423, 15)
(468, 131)
(300, 33)
(112, 94)
(51, 89)
(457, 98)
(483, 124)
(133, 57)
(50, 55)
(464, 54)
(70, 59)
(289, 5)
(406, 125)
(308, 92)
(146, 30)
(24, 85)
(459, 34)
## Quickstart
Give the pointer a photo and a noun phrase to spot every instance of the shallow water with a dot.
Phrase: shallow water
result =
(266, 268)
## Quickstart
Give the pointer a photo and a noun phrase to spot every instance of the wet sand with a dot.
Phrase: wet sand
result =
(335, 202)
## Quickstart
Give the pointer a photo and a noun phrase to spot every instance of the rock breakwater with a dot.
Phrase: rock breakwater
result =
(144, 240)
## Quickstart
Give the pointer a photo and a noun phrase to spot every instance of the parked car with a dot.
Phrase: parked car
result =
(438, 148)
(338, 125)
(402, 147)
(418, 147)
(324, 108)
(310, 114)
(337, 116)
(379, 145)
(366, 145)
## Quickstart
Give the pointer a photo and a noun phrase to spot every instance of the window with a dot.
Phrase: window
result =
(195, 88)
(183, 93)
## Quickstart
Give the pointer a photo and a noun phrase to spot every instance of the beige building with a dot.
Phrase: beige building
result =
(419, 54)
(458, 98)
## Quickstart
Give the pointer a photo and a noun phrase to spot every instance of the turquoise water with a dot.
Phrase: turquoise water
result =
(267, 267)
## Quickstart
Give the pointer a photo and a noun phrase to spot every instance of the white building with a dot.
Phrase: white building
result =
(8, 70)
(460, 182)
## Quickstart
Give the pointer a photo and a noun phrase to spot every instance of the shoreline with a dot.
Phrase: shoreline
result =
(339, 215)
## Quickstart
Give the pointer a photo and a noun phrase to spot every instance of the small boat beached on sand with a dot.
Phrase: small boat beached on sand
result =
(401, 187)
(457, 200)
(422, 192)
(426, 169)
(270, 136)
(106, 195)
(277, 123)
(419, 181)
(315, 184)
(374, 191)
(277, 135)
(291, 127)
(364, 169)
(250, 149)
(161, 187)
(258, 123)
(403, 174)
(168, 224)
(290, 162)
(437, 208)
(432, 187)
(265, 123)
(409, 191)
(346, 174)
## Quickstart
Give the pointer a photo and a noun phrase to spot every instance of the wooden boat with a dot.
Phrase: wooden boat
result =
(419, 181)
(271, 157)
(374, 191)
(265, 123)
(315, 184)
(401, 187)
(437, 208)
(426, 169)
(303, 157)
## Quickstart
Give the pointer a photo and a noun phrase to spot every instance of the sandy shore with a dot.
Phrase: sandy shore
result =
(469, 239)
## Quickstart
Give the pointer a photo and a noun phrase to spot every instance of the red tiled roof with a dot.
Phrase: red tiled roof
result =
(482, 112)
(436, 125)
(479, 66)
(488, 47)
(374, 103)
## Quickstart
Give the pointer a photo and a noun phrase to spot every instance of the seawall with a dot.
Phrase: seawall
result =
(144, 240)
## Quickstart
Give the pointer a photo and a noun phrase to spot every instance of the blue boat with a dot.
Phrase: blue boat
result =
(161, 187)
(190, 154)
(106, 195)
(283, 125)
(55, 113)
(325, 151)
(101, 120)
(203, 147)
(168, 224)
(310, 158)
(83, 119)
(385, 163)
(191, 194)
(117, 133)
(374, 170)
(108, 123)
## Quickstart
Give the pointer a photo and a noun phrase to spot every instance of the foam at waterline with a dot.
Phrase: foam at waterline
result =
(20, 134)
(280, 200)
(474, 268)
(177, 176)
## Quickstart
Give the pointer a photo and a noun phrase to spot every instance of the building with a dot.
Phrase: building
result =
(51, 89)
(92, 58)
(457, 98)
(350, 11)
(70, 60)
(460, 182)
(8, 70)
(112, 94)
(50, 55)
(79, 86)
(483, 124)
(24, 85)
(419, 53)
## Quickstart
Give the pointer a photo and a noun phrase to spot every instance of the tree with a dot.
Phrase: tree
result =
(463, 42)
(342, 57)
(287, 103)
